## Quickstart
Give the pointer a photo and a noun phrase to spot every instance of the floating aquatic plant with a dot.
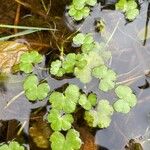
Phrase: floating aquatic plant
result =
(126, 101)
(66, 101)
(28, 59)
(100, 116)
(80, 9)
(71, 141)
(107, 77)
(129, 8)
(13, 145)
(35, 90)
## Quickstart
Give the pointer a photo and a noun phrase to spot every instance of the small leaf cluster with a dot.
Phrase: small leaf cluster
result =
(70, 62)
(90, 49)
(86, 42)
(81, 65)
(66, 101)
(33, 90)
(61, 119)
(107, 77)
(100, 116)
(62, 105)
(126, 101)
(13, 145)
(87, 102)
(80, 9)
(28, 59)
(129, 7)
(72, 140)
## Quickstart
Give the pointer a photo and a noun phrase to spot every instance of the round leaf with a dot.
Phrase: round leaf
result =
(121, 106)
(42, 91)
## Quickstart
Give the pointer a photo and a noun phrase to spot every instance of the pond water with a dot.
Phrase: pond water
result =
(130, 59)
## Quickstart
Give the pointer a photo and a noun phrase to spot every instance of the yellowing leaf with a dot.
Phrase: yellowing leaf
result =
(10, 52)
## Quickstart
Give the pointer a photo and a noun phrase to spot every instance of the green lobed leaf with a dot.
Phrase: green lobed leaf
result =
(35, 57)
(132, 14)
(104, 107)
(121, 5)
(71, 142)
(129, 7)
(127, 99)
(92, 99)
(85, 12)
(72, 92)
(104, 120)
(69, 63)
(131, 4)
(79, 4)
(55, 66)
(25, 58)
(31, 93)
(86, 48)
(78, 15)
(67, 101)
(13, 145)
(106, 85)
(84, 102)
(28, 59)
(79, 39)
(26, 67)
(91, 117)
(122, 91)
(91, 2)
(121, 106)
(42, 91)
(59, 121)
(57, 100)
(101, 116)
(72, 11)
(107, 77)
(88, 39)
(85, 74)
(30, 81)
(34, 90)
(4, 147)
(100, 71)
(57, 140)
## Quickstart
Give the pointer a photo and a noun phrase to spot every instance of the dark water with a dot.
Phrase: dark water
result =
(130, 59)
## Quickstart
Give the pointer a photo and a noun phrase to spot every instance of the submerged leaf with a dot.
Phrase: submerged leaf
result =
(85, 74)
(101, 116)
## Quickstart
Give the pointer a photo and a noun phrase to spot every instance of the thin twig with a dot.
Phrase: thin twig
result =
(22, 127)
(17, 17)
(129, 80)
(44, 6)
(30, 7)
(112, 33)
(13, 99)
